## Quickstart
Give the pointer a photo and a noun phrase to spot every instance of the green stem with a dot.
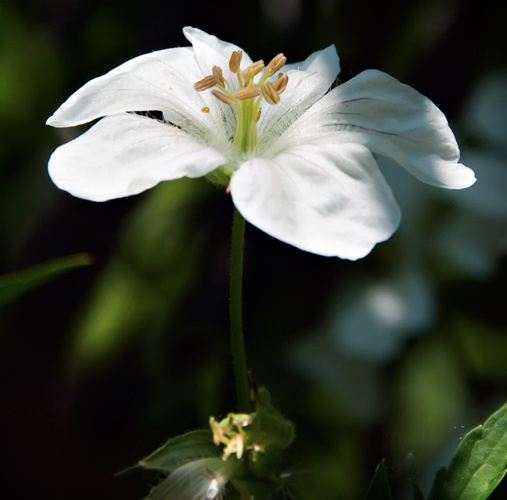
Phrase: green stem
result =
(237, 342)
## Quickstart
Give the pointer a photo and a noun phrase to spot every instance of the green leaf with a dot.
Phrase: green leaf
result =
(478, 465)
(417, 492)
(379, 487)
(180, 450)
(16, 284)
(272, 433)
(438, 483)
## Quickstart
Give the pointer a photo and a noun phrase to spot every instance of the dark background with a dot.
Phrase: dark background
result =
(99, 367)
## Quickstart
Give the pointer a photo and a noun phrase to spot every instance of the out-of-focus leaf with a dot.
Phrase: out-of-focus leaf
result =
(153, 267)
(379, 487)
(386, 312)
(18, 283)
(479, 463)
(482, 348)
(431, 395)
(485, 113)
(355, 383)
(417, 492)
(438, 483)
(180, 450)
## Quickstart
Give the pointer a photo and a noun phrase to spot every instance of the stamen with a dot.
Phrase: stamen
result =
(217, 73)
(235, 60)
(206, 83)
(281, 83)
(269, 93)
(246, 96)
(247, 92)
(224, 98)
(275, 64)
(252, 70)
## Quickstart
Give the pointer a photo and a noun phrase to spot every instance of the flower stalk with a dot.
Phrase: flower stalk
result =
(236, 315)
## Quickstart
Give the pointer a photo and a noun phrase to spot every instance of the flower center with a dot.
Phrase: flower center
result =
(246, 96)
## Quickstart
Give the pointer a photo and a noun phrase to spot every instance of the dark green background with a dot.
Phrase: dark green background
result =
(98, 368)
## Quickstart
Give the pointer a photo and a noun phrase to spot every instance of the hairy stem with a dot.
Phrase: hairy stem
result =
(237, 342)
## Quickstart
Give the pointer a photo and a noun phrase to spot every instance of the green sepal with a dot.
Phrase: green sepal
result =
(220, 176)
(478, 465)
(270, 433)
(379, 488)
(16, 284)
(180, 450)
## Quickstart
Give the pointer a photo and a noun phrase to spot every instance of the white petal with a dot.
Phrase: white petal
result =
(126, 154)
(308, 81)
(211, 51)
(325, 197)
(393, 120)
(159, 81)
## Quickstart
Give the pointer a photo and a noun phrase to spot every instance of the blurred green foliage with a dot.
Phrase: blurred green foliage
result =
(148, 277)
(102, 365)
(17, 284)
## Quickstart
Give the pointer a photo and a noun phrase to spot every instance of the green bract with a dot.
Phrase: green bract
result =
(200, 467)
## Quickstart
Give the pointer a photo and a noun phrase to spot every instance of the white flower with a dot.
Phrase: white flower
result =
(297, 157)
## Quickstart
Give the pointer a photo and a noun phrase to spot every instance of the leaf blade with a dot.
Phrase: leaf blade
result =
(379, 488)
(180, 450)
(479, 464)
(18, 283)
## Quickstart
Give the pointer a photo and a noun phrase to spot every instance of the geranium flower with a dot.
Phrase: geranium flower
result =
(297, 158)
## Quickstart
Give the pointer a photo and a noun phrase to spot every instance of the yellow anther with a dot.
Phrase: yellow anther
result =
(224, 98)
(247, 92)
(235, 60)
(217, 73)
(269, 93)
(206, 83)
(251, 71)
(205, 109)
(275, 64)
(281, 83)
